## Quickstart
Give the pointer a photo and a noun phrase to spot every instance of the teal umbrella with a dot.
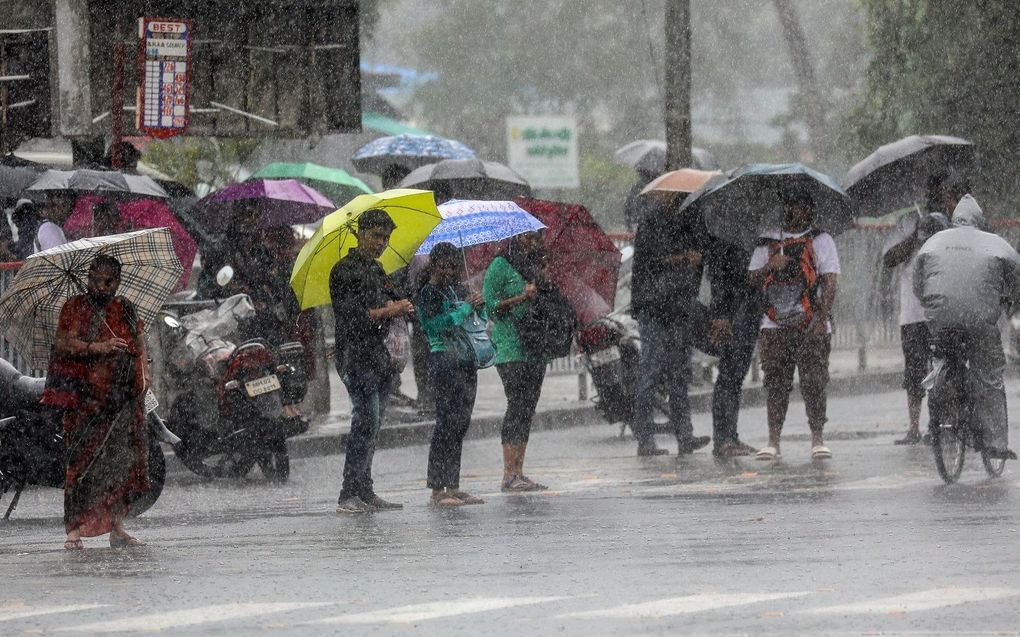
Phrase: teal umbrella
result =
(337, 184)
(741, 204)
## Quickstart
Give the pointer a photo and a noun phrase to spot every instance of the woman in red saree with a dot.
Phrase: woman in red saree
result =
(98, 376)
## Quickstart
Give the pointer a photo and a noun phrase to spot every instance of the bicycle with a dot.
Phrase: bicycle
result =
(950, 403)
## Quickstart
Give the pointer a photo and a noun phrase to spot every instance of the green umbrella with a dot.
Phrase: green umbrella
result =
(335, 183)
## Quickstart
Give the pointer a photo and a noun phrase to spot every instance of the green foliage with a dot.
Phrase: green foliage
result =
(196, 160)
(949, 67)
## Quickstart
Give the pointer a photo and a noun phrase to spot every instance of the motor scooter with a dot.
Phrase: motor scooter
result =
(233, 406)
(32, 442)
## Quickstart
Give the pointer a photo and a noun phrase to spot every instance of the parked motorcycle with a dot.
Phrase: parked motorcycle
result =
(32, 443)
(233, 406)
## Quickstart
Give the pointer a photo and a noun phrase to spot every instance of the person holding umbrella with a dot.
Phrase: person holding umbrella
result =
(443, 306)
(944, 193)
(98, 375)
(796, 267)
(363, 309)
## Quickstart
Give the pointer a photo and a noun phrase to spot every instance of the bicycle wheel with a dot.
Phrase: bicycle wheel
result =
(994, 466)
(949, 447)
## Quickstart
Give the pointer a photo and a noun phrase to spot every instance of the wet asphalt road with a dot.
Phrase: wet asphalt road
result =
(867, 543)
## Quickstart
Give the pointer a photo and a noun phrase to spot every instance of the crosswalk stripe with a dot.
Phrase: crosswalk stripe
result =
(12, 613)
(923, 600)
(434, 610)
(188, 617)
(682, 605)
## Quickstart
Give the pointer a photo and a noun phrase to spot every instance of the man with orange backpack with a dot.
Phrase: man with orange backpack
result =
(796, 268)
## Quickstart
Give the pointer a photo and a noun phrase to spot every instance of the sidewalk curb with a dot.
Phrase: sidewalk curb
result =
(408, 434)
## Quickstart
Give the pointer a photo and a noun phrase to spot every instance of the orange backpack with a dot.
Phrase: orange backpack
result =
(790, 291)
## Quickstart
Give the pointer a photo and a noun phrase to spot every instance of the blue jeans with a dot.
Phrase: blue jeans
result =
(666, 363)
(734, 362)
(367, 389)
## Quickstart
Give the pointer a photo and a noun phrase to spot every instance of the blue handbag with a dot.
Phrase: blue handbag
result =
(470, 340)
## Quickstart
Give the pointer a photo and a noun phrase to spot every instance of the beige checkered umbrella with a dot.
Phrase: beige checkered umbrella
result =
(30, 308)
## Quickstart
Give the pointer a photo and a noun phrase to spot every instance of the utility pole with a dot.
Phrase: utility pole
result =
(677, 102)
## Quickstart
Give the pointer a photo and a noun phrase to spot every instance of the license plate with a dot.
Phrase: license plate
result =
(605, 356)
(262, 385)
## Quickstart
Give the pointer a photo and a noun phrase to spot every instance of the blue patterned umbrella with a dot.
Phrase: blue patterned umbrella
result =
(407, 151)
(468, 223)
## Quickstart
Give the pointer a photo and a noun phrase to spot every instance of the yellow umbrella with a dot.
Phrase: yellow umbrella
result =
(413, 211)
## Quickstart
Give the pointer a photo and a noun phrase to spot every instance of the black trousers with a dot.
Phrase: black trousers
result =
(522, 384)
(457, 383)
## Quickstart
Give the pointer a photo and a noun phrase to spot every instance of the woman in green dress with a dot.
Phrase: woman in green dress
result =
(511, 284)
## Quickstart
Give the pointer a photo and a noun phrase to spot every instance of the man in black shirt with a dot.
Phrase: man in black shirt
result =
(363, 306)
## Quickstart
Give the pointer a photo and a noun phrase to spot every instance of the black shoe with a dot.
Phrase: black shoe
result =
(353, 504)
(689, 445)
(651, 450)
(375, 501)
(1000, 454)
(912, 438)
(733, 449)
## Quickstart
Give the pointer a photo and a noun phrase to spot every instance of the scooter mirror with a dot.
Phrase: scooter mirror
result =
(224, 276)
(171, 322)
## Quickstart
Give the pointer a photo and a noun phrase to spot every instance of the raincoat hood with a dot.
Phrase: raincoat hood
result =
(968, 214)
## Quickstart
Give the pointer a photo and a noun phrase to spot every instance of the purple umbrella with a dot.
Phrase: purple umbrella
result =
(276, 202)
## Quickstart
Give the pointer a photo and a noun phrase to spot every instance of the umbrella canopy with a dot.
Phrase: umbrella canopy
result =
(414, 213)
(469, 179)
(741, 204)
(97, 181)
(583, 261)
(407, 151)
(896, 175)
(335, 183)
(468, 223)
(649, 156)
(677, 182)
(137, 215)
(14, 179)
(30, 308)
(279, 202)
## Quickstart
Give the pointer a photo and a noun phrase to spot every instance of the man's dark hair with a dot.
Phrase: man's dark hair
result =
(957, 183)
(444, 251)
(105, 261)
(128, 154)
(797, 196)
(375, 218)
(105, 209)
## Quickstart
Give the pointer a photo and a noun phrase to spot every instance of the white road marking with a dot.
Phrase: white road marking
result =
(12, 613)
(913, 602)
(189, 617)
(434, 610)
(682, 605)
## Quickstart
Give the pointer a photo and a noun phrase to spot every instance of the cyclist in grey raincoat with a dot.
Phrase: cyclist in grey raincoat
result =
(963, 276)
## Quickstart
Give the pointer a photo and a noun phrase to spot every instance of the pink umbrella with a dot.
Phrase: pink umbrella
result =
(135, 215)
(279, 202)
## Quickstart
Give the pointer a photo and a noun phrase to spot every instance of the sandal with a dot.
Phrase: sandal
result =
(74, 545)
(820, 452)
(445, 499)
(466, 497)
(535, 486)
(768, 453)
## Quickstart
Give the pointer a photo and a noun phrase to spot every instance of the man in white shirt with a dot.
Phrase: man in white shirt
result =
(50, 234)
(796, 267)
(914, 229)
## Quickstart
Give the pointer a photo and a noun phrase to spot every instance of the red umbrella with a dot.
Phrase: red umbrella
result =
(136, 215)
(583, 260)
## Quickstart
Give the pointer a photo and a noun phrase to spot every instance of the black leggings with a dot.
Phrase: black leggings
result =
(522, 384)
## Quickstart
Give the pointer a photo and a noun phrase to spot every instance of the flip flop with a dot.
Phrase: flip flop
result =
(445, 500)
(768, 453)
(820, 452)
(74, 545)
(467, 498)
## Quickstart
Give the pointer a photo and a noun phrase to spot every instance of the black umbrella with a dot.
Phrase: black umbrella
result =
(14, 179)
(739, 205)
(469, 179)
(896, 175)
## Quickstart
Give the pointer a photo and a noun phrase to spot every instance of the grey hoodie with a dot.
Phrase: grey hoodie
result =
(964, 274)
